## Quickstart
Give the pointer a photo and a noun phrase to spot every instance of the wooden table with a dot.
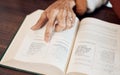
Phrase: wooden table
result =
(13, 12)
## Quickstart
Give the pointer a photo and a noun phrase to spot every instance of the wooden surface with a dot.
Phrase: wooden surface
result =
(12, 14)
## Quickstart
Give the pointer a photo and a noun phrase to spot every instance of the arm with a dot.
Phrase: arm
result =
(116, 7)
(89, 5)
(93, 4)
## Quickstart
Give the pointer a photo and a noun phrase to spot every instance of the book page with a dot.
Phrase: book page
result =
(34, 49)
(96, 49)
(28, 48)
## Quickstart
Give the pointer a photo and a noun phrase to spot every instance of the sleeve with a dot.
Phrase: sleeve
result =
(116, 6)
(93, 4)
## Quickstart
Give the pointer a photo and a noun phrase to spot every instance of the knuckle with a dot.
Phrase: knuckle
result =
(69, 26)
(69, 12)
(44, 13)
(62, 26)
(53, 11)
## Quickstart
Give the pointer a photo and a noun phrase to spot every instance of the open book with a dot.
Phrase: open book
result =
(90, 47)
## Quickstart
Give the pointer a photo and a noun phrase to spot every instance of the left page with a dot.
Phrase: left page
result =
(29, 47)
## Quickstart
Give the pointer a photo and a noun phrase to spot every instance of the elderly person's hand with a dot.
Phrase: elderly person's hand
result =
(58, 17)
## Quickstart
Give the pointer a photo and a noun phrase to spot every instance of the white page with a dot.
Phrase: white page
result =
(96, 48)
(34, 49)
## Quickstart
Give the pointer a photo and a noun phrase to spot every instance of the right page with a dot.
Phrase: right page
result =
(96, 50)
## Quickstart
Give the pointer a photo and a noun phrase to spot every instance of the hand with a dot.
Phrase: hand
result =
(58, 17)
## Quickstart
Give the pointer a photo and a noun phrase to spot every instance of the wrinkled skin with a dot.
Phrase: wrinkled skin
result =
(58, 17)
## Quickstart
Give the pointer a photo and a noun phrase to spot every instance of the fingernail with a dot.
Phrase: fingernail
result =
(47, 39)
(34, 28)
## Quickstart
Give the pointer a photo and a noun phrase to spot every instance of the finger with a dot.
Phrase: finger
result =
(49, 32)
(41, 22)
(61, 18)
(69, 20)
(73, 18)
(50, 27)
